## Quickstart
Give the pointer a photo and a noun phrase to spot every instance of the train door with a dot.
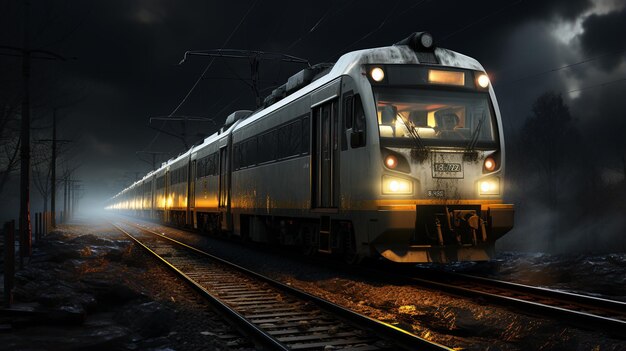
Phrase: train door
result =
(223, 180)
(166, 214)
(325, 162)
(191, 195)
(325, 156)
(151, 200)
(224, 188)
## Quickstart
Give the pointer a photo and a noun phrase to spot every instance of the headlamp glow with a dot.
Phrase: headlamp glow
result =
(397, 186)
(489, 186)
(377, 74)
(483, 80)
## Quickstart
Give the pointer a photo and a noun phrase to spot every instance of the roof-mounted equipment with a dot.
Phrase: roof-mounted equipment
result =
(234, 117)
(423, 44)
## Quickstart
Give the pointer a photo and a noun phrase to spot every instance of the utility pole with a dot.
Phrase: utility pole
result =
(53, 162)
(25, 229)
(254, 59)
(65, 207)
(154, 154)
(183, 121)
(69, 196)
(27, 54)
(53, 170)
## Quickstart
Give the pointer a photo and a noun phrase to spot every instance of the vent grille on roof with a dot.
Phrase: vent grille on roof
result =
(426, 57)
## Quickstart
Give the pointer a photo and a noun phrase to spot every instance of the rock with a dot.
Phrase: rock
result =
(149, 319)
(108, 292)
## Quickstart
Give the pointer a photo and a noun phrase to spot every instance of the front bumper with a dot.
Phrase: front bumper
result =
(444, 233)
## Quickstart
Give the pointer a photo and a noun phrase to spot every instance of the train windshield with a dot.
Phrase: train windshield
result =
(435, 117)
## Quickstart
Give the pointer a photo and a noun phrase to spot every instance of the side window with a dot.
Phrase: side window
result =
(289, 139)
(359, 115)
(348, 109)
(237, 156)
(357, 137)
(248, 151)
(306, 127)
(267, 147)
(348, 116)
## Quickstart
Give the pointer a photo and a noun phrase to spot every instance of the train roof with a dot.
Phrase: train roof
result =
(406, 51)
(396, 54)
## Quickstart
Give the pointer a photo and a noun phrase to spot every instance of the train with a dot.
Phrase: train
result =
(395, 152)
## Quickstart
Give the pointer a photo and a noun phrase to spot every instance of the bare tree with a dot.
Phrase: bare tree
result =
(550, 140)
(9, 137)
(41, 172)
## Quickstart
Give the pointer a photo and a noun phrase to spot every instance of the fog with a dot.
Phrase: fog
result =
(126, 71)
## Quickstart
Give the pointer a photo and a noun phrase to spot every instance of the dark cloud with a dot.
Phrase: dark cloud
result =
(604, 34)
(127, 53)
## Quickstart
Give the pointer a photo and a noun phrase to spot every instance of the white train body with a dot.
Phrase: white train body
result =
(395, 151)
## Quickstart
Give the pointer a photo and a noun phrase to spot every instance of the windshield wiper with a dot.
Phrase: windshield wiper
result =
(421, 151)
(469, 149)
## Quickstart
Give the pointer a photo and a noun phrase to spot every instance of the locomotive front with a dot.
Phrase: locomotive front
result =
(440, 172)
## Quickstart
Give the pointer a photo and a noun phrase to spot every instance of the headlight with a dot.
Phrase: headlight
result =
(393, 185)
(377, 74)
(490, 186)
(483, 80)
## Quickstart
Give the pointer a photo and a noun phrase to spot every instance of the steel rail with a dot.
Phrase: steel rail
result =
(399, 337)
(240, 321)
(584, 311)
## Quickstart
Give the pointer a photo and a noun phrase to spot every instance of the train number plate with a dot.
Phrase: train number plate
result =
(447, 167)
(436, 193)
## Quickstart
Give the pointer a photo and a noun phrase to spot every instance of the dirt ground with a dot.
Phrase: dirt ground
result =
(126, 302)
(98, 291)
(455, 322)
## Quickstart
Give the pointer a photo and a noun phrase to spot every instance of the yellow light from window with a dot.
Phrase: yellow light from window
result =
(446, 77)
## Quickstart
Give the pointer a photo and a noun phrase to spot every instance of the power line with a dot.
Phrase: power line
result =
(318, 23)
(556, 69)
(598, 85)
(206, 68)
(462, 29)
(193, 87)
(381, 25)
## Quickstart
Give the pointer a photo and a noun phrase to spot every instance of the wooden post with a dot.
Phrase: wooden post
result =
(25, 220)
(36, 225)
(9, 262)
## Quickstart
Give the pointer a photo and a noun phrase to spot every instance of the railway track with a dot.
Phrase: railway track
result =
(273, 314)
(584, 311)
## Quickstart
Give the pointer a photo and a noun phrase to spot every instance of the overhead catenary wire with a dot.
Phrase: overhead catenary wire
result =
(318, 23)
(204, 71)
(598, 85)
(370, 33)
(566, 66)
(471, 24)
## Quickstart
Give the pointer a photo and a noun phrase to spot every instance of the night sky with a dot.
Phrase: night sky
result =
(127, 53)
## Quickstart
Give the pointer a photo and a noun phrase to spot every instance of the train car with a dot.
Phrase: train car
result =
(177, 190)
(395, 151)
(210, 187)
(160, 197)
